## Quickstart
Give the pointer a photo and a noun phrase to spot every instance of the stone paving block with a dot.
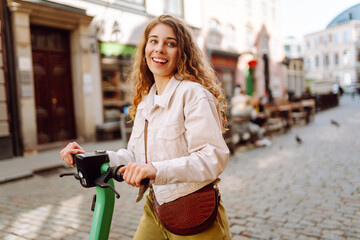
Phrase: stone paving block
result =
(237, 229)
(255, 220)
(239, 238)
(124, 238)
(70, 238)
(82, 235)
(254, 235)
(13, 237)
(302, 237)
(310, 232)
(44, 238)
(305, 223)
(233, 221)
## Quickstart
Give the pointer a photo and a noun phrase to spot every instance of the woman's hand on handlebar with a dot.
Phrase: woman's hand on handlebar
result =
(134, 173)
(68, 152)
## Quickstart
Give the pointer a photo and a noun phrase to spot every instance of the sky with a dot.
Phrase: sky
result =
(300, 17)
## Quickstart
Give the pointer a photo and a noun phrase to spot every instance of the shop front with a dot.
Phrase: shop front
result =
(225, 66)
(52, 68)
(118, 33)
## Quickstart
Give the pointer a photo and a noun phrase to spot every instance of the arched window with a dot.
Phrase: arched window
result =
(229, 35)
(214, 32)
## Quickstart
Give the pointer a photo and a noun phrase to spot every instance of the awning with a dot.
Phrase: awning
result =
(116, 49)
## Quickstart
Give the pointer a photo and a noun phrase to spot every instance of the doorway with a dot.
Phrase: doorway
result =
(53, 84)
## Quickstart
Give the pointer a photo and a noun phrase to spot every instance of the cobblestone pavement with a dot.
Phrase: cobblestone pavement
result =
(286, 191)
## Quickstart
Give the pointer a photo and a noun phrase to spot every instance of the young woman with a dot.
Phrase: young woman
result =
(178, 95)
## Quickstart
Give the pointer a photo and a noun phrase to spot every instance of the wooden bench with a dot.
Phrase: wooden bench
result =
(309, 106)
(298, 112)
(278, 116)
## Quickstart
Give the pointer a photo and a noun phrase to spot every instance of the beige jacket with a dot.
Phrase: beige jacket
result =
(185, 142)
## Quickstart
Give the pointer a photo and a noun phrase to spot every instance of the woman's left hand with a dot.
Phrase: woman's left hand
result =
(134, 173)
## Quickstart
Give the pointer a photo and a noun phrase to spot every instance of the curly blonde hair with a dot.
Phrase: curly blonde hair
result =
(191, 65)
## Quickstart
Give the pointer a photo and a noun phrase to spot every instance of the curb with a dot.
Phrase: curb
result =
(29, 173)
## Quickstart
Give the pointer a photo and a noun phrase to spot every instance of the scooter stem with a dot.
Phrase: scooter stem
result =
(103, 212)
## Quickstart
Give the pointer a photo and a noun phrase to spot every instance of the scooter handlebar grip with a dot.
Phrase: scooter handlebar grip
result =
(117, 175)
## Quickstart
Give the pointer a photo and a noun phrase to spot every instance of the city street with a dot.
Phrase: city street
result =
(286, 191)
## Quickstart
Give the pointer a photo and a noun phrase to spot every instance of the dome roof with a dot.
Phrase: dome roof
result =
(352, 13)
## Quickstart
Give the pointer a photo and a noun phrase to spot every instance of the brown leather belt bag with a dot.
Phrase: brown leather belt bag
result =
(190, 214)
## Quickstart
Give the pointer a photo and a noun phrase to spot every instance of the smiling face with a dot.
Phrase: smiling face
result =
(161, 51)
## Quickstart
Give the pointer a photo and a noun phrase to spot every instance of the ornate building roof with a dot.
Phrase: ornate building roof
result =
(352, 13)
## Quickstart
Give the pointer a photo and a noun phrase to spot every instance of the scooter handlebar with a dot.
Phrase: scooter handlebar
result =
(118, 176)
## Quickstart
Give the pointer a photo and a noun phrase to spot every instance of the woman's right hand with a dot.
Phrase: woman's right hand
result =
(68, 152)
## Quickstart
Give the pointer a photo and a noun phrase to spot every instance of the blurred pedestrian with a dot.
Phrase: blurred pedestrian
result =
(242, 109)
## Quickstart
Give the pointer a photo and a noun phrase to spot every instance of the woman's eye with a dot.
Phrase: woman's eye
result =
(171, 44)
(153, 41)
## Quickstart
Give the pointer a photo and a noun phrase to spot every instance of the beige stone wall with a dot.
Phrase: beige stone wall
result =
(23, 60)
(82, 83)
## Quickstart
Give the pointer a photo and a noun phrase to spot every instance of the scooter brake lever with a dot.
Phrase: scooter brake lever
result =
(70, 174)
(102, 182)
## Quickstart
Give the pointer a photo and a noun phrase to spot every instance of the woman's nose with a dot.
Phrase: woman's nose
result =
(160, 48)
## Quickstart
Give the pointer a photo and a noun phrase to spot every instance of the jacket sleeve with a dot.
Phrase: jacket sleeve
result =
(120, 157)
(208, 152)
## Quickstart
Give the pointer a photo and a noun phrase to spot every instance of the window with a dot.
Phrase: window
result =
(214, 32)
(336, 38)
(358, 54)
(326, 60)
(317, 63)
(214, 25)
(250, 38)
(230, 35)
(336, 58)
(174, 7)
(308, 63)
(346, 57)
(325, 39)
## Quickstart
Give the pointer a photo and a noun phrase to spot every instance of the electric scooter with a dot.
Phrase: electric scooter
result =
(93, 170)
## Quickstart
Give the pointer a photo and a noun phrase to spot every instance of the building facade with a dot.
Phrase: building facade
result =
(236, 32)
(70, 59)
(333, 55)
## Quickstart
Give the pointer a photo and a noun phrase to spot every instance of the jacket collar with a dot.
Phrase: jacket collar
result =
(148, 100)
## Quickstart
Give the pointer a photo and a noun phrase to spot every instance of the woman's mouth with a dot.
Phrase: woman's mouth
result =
(160, 60)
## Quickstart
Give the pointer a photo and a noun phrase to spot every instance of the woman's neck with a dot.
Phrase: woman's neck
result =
(161, 84)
